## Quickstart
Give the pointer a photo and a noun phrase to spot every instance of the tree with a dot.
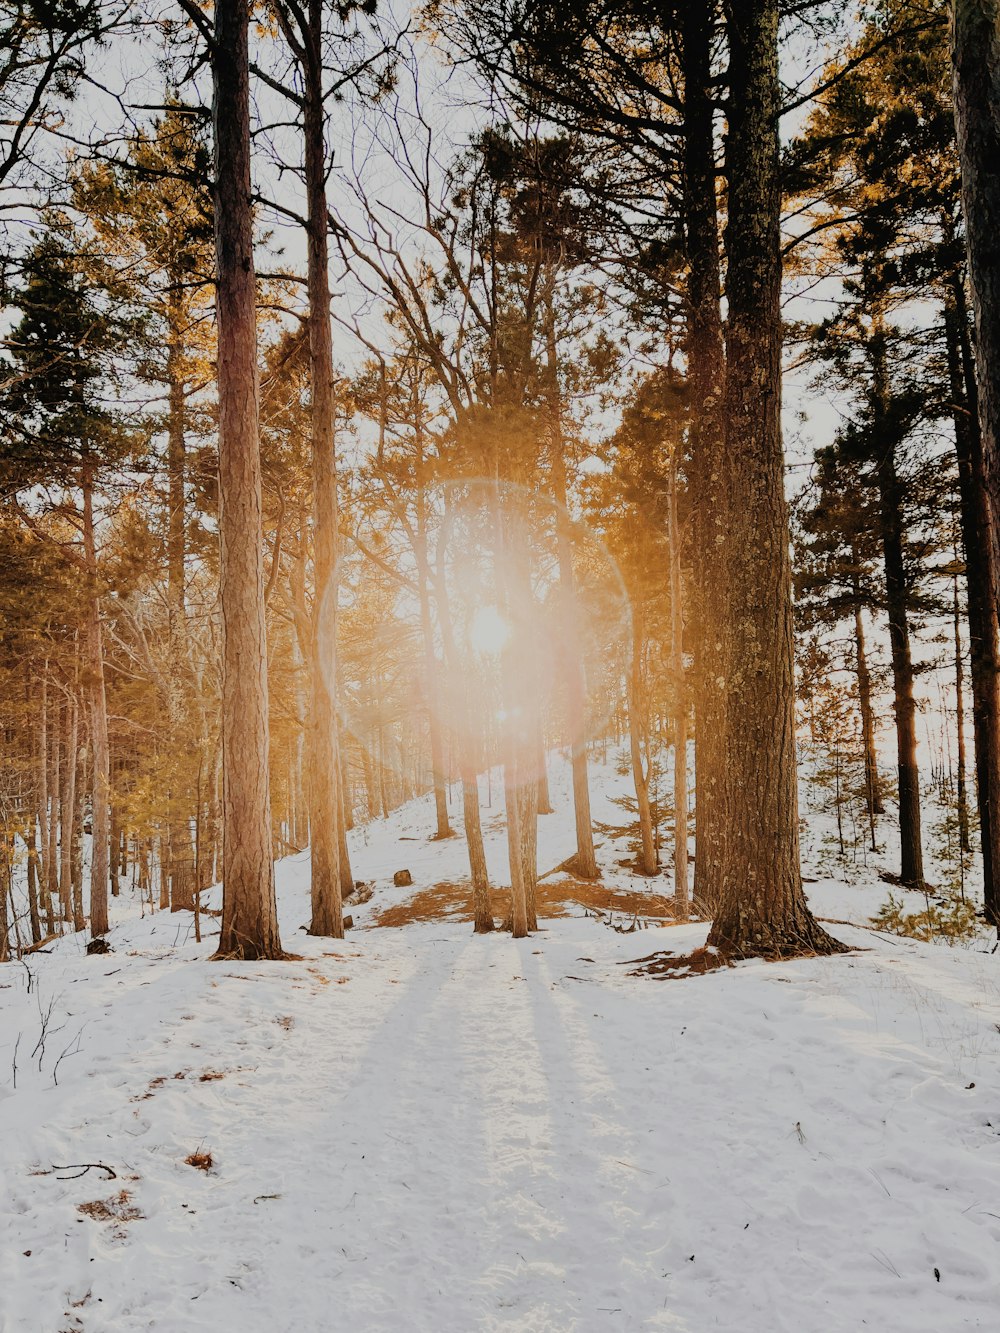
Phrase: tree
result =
(762, 907)
(249, 913)
(64, 349)
(976, 61)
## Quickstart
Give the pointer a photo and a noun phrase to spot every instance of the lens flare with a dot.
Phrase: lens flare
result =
(489, 632)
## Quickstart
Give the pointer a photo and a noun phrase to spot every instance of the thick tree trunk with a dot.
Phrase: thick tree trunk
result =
(249, 912)
(892, 526)
(98, 716)
(976, 84)
(762, 908)
(707, 378)
(981, 587)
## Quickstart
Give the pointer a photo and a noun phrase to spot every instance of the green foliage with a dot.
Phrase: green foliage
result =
(952, 919)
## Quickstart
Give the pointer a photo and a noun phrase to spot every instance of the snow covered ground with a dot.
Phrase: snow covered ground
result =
(419, 1129)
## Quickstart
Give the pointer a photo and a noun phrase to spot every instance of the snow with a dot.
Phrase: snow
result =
(417, 1128)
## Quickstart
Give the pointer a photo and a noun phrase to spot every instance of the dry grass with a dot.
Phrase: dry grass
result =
(556, 898)
(118, 1209)
(201, 1161)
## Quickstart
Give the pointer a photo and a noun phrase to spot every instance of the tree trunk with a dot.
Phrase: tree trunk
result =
(585, 860)
(179, 833)
(976, 87)
(66, 778)
(76, 853)
(98, 716)
(4, 888)
(324, 777)
(482, 909)
(962, 792)
(46, 825)
(33, 879)
(648, 863)
(681, 893)
(762, 908)
(249, 911)
(892, 524)
(707, 377)
(544, 798)
(343, 796)
(981, 585)
(873, 790)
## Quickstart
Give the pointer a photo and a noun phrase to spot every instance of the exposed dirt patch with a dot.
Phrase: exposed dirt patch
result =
(118, 1209)
(675, 967)
(201, 1161)
(556, 897)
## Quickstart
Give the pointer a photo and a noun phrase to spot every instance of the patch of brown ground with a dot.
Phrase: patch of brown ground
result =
(675, 967)
(201, 1161)
(118, 1208)
(450, 900)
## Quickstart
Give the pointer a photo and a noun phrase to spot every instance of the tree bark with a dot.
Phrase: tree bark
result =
(648, 864)
(681, 892)
(976, 87)
(46, 827)
(707, 378)
(482, 909)
(324, 762)
(962, 791)
(585, 860)
(431, 667)
(98, 716)
(892, 525)
(180, 860)
(873, 790)
(66, 782)
(762, 908)
(76, 849)
(249, 911)
(981, 586)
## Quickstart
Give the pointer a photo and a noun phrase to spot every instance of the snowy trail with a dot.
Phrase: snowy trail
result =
(425, 1130)
(419, 1129)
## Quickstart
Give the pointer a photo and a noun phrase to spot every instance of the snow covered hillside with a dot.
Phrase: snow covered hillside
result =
(421, 1129)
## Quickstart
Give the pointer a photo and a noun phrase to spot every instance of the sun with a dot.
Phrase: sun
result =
(489, 631)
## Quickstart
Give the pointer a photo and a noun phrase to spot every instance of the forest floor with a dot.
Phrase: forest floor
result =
(420, 1129)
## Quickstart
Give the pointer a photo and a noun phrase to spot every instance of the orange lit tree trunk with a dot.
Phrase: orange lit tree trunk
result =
(469, 745)
(98, 715)
(325, 816)
(249, 912)
(585, 860)
(681, 892)
(707, 377)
